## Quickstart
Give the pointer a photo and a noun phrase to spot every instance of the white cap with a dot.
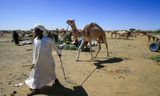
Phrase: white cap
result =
(41, 27)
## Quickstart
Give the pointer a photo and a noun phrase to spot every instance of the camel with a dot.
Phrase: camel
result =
(90, 32)
(123, 34)
(114, 33)
(64, 35)
(150, 35)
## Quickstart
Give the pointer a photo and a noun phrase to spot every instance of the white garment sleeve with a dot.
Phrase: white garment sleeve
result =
(53, 44)
(34, 52)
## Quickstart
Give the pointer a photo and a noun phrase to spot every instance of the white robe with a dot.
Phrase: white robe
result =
(44, 69)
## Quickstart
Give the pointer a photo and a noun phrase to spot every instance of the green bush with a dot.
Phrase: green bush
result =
(67, 47)
(86, 49)
(156, 31)
(73, 47)
(70, 47)
(67, 42)
(156, 58)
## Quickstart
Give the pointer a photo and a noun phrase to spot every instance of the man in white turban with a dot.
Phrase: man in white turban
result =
(43, 71)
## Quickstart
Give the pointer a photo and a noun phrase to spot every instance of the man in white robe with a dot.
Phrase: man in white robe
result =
(43, 71)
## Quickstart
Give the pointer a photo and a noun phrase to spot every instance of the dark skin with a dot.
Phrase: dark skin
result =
(38, 33)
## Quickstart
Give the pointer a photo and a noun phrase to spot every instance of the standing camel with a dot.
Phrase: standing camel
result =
(90, 32)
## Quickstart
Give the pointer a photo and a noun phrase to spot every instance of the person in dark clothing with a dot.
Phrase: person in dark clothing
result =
(16, 37)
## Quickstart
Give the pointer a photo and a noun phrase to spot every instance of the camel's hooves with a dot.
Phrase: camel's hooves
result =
(77, 60)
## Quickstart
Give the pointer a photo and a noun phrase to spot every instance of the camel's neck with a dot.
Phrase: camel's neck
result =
(73, 26)
(75, 30)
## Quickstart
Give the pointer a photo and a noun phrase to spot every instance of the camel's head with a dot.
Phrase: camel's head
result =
(57, 29)
(70, 22)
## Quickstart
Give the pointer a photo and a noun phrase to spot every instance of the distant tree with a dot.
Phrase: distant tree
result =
(132, 29)
(157, 31)
(131, 32)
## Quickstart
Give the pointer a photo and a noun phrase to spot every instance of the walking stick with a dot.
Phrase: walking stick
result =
(63, 69)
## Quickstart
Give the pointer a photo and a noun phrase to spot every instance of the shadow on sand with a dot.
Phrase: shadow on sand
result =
(99, 63)
(60, 90)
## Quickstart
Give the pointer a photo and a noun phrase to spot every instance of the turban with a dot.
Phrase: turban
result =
(40, 27)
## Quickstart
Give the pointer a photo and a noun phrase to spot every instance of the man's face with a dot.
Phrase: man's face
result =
(38, 32)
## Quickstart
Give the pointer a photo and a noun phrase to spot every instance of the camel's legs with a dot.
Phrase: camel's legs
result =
(153, 38)
(149, 38)
(99, 48)
(105, 41)
(106, 47)
(79, 49)
(111, 35)
(90, 47)
(115, 35)
(127, 35)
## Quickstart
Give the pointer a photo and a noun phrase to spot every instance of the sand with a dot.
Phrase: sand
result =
(128, 71)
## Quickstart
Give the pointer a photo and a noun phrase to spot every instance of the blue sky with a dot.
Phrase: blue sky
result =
(109, 14)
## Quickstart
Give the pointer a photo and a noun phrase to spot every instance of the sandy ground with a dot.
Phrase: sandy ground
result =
(128, 71)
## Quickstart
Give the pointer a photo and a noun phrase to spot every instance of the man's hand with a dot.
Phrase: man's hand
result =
(59, 55)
